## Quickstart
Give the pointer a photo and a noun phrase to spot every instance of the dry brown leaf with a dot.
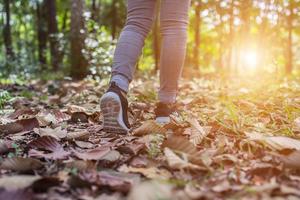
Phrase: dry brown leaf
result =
(44, 183)
(17, 181)
(79, 117)
(197, 132)
(151, 172)
(151, 190)
(181, 144)
(174, 161)
(275, 142)
(46, 119)
(74, 108)
(5, 146)
(99, 153)
(291, 160)
(132, 148)
(21, 164)
(84, 145)
(78, 135)
(81, 165)
(57, 133)
(19, 125)
(148, 127)
(21, 112)
(47, 143)
(111, 156)
(297, 124)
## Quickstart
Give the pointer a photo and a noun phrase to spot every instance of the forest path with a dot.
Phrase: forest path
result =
(231, 139)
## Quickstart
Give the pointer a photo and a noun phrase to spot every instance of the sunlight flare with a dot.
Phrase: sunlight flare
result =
(250, 59)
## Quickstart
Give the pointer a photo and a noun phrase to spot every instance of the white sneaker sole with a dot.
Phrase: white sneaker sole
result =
(163, 120)
(111, 108)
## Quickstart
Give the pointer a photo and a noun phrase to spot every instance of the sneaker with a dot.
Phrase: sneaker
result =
(114, 106)
(163, 112)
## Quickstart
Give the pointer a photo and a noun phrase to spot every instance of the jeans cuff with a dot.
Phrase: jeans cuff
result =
(167, 97)
(121, 81)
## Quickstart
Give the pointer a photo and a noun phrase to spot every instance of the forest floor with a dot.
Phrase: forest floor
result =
(231, 139)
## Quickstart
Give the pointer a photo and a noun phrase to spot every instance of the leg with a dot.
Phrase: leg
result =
(174, 23)
(140, 14)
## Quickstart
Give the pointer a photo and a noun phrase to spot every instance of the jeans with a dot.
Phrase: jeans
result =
(173, 28)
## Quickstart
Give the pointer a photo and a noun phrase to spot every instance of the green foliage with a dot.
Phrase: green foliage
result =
(4, 98)
(154, 148)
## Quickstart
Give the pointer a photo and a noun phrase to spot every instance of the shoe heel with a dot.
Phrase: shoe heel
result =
(111, 109)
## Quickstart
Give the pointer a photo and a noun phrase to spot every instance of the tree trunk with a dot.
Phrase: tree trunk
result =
(7, 31)
(230, 60)
(197, 33)
(53, 31)
(114, 19)
(95, 11)
(42, 32)
(78, 62)
(289, 62)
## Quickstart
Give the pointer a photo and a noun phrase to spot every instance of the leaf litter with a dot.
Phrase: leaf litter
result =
(227, 141)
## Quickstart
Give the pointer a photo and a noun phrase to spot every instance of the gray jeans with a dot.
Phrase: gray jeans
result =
(174, 23)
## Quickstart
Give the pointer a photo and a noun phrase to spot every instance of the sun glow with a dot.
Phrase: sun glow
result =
(247, 59)
(250, 59)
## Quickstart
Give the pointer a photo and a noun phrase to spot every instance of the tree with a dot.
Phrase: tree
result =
(53, 33)
(7, 31)
(95, 10)
(42, 31)
(290, 19)
(114, 23)
(230, 39)
(197, 33)
(77, 37)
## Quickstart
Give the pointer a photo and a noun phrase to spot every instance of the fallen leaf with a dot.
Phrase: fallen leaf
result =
(99, 153)
(47, 143)
(21, 164)
(78, 135)
(151, 190)
(20, 194)
(5, 146)
(222, 186)
(19, 125)
(84, 145)
(150, 172)
(132, 148)
(275, 142)
(174, 161)
(57, 133)
(291, 160)
(116, 181)
(44, 183)
(46, 119)
(74, 108)
(81, 165)
(198, 133)
(181, 144)
(297, 123)
(22, 112)
(148, 127)
(17, 181)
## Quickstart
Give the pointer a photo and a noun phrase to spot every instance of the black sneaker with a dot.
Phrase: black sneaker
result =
(114, 106)
(163, 112)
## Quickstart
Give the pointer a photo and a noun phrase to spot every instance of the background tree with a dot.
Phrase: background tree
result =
(197, 32)
(42, 32)
(53, 33)
(78, 34)
(7, 31)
